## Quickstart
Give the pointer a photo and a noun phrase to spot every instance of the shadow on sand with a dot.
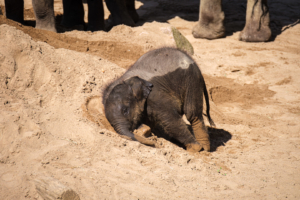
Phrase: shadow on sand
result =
(218, 137)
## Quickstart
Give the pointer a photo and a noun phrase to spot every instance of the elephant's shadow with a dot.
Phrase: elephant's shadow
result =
(218, 137)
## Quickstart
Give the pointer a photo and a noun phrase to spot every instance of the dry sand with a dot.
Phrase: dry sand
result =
(46, 79)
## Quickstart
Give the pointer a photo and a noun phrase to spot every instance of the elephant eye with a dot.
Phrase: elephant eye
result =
(125, 111)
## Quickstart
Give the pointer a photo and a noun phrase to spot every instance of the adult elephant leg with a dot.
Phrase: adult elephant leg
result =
(130, 4)
(211, 17)
(73, 14)
(95, 15)
(257, 22)
(14, 10)
(44, 14)
(118, 10)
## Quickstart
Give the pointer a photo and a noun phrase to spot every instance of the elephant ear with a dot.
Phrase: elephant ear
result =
(140, 87)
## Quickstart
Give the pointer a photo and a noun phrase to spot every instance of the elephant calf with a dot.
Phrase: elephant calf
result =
(162, 86)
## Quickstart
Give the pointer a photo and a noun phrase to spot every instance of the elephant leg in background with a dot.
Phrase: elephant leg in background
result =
(257, 22)
(73, 14)
(211, 20)
(130, 4)
(14, 10)
(44, 14)
(95, 15)
(119, 12)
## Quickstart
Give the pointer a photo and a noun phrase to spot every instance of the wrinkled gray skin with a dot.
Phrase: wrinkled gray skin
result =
(73, 13)
(161, 87)
(211, 21)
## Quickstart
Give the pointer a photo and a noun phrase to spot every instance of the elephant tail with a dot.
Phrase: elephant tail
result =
(207, 105)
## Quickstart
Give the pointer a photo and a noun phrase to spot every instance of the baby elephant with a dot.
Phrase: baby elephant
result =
(162, 86)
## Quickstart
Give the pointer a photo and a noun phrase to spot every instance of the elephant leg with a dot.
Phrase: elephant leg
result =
(174, 126)
(164, 114)
(73, 14)
(257, 22)
(95, 15)
(201, 134)
(130, 4)
(14, 10)
(44, 14)
(211, 17)
(119, 12)
(193, 108)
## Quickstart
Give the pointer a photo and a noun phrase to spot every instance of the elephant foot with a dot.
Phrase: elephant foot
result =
(201, 134)
(252, 33)
(193, 147)
(205, 144)
(209, 30)
(203, 139)
(51, 28)
(211, 20)
(44, 15)
(46, 25)
(257, 22)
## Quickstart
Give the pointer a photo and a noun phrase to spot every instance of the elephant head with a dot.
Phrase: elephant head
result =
(125, 104)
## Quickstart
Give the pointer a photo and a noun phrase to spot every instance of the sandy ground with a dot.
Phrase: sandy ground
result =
(45, 130)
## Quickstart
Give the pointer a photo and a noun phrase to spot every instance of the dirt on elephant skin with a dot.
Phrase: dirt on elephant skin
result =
(52, 122)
